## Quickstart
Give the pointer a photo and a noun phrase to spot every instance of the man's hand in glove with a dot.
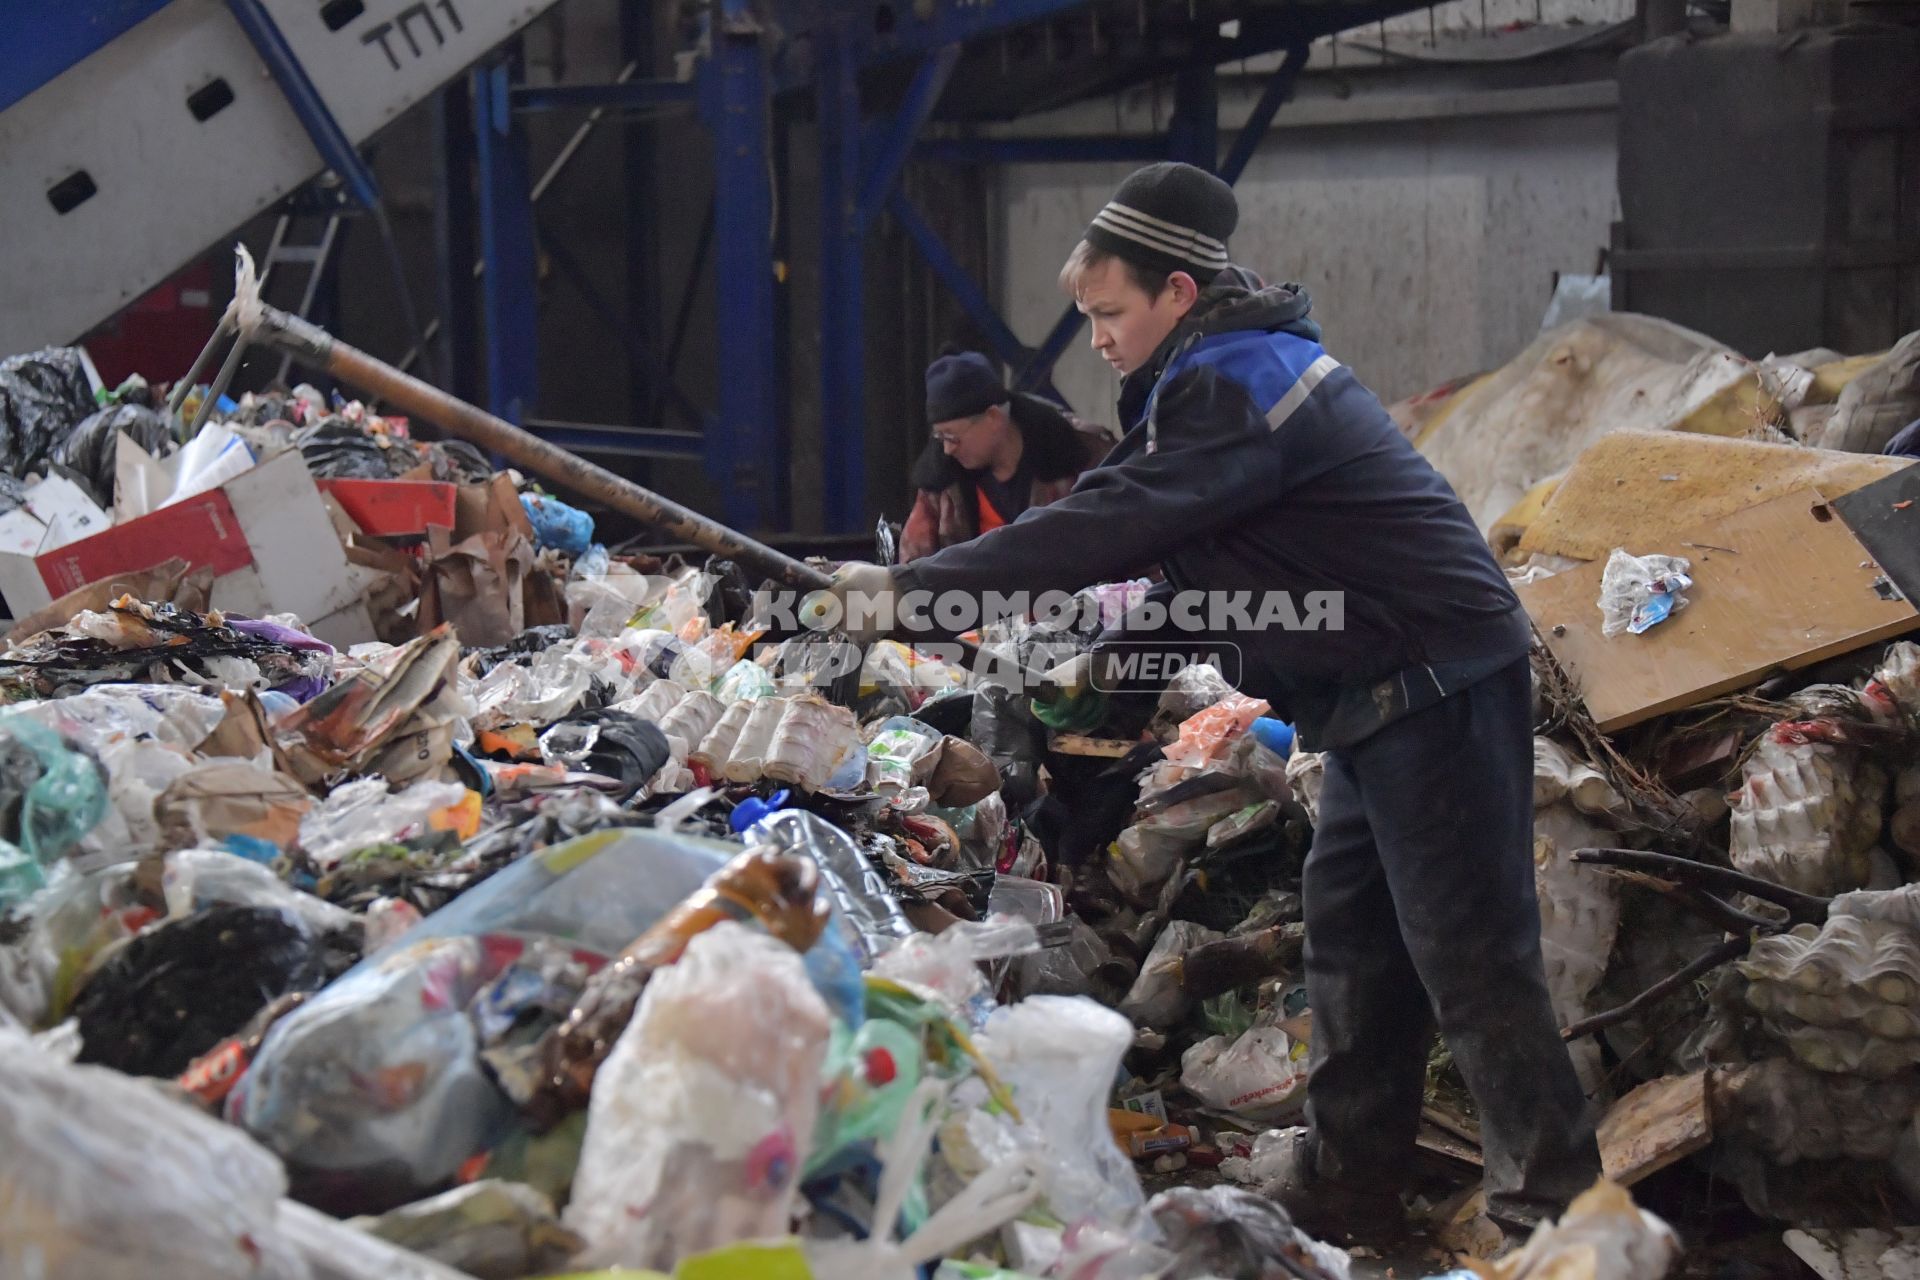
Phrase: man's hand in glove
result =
(867, 603)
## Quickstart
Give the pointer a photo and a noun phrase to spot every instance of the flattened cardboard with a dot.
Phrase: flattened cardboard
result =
(1778, 586)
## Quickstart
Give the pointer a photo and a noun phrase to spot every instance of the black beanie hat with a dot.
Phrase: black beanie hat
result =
(960, 386)
(1169, 217)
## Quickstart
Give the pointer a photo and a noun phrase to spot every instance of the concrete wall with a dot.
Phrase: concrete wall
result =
(1428, 242)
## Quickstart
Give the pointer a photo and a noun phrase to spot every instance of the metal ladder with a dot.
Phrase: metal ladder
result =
(313, 255)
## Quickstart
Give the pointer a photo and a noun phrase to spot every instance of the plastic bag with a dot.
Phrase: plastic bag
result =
(1059, 1055)
(1190, 691)
(364, 812)
(195, 879)
(1207, 736)
(946, 966)
(1157, 1000)
(1004, 729)
(744, 680)
(1260, 1077)
(1603, 1236)
(541, 692)
(91, 450)
(555, 524)
(51, 795)
(599, 891)
(1148, 851)
(1637, 592)
(109, 1179)
(893, 751)
(177, 990)
(873, 1072)
(488, 1228)
(704, 1112)
(872, 919)
(373, 1092)
(43, 395)
(1226, 1231)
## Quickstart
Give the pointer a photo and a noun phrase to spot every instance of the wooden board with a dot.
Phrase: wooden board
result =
(1633, 485)
(1078, 744)
(1885, 516)
(1660, 1122)
(1778, 586)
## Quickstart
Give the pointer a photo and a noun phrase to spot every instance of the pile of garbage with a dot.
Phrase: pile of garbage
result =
(506, 907)
(1719, 562)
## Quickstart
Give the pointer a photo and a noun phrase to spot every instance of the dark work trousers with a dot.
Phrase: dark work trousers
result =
(1420, 908)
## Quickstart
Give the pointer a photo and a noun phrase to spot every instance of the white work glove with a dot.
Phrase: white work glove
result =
(867, 601)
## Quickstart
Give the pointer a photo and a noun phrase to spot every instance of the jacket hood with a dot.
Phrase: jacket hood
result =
(1237, 301)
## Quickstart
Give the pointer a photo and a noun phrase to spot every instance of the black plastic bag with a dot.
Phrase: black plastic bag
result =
(627, 748)
(337, 448)
(457, 462)
(178, 990)
(90, 450)
(43, 395)
(1004, 729)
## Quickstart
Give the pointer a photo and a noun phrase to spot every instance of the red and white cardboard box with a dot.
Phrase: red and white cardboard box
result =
(265, 534)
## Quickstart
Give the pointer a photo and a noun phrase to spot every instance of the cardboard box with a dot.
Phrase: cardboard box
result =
(265, 534)
(394, 508)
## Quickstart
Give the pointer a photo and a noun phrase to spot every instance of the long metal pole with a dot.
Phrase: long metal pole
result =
(314, 347)
(311, 345)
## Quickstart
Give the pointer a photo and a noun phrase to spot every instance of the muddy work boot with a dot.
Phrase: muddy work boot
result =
(1338, 1213)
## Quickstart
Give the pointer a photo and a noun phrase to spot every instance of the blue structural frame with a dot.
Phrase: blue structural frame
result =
(757, 51)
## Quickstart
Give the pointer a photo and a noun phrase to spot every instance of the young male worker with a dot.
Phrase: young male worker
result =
(1255, 462)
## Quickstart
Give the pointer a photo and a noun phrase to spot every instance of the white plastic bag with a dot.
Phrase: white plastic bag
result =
(1637, 592)
(1262, 1076)
(1156, 999)
(1059, 1055)
(703, 1114)
(196, 878)
(364, 812)
(104, 1177)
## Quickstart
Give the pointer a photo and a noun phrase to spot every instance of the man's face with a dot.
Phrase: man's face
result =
(1128, 326)
(972, 442)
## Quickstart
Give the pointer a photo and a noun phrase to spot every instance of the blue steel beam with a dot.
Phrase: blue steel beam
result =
(1193, 135)
(1272, 98)
(629, 93)
(508, 289)
(843, 417)
(923, 95)
(1066, 149)
(972, 299)
(919, 30)
(1038, 369)
(747, 453)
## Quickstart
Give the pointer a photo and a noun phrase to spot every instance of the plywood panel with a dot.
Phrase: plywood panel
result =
(1633, 485)
(1780, 585)
(1660, 1122)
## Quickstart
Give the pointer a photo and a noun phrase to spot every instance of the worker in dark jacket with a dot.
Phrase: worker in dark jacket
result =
(993, 456)
(1257, 463)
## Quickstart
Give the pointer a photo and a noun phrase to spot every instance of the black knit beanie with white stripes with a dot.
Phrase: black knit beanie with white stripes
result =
(1169, 217)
